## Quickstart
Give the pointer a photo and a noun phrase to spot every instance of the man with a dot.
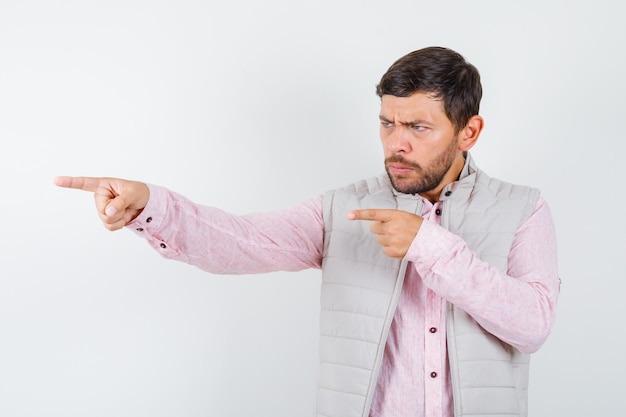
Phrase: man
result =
(438, 281)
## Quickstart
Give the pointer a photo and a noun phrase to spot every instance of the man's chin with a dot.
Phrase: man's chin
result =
(403, 185)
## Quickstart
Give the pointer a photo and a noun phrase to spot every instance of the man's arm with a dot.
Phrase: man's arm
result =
(207, 237)
(518, 307)
(290, 239)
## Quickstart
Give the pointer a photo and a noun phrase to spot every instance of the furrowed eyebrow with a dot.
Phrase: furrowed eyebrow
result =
(416, 123)
(410, 123)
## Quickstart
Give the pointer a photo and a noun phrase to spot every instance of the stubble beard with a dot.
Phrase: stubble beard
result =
(421, 180)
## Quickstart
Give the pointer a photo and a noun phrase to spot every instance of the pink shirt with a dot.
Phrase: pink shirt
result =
(518, 307)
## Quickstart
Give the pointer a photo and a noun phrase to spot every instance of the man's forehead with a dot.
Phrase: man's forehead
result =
(416, 106)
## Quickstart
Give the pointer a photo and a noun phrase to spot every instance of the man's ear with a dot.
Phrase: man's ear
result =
(470, 133)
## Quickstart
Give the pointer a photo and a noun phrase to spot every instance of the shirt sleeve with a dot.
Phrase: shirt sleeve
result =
(517, 307)
(221, 243)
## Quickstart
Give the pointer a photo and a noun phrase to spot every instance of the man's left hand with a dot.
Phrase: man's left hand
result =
(394, 229)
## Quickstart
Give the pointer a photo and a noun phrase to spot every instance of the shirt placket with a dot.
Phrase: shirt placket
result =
(434, 343)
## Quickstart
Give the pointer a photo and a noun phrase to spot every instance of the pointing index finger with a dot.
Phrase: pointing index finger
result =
(79, 183)
(381, 215)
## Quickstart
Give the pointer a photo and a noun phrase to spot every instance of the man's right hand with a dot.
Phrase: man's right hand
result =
(118, 201)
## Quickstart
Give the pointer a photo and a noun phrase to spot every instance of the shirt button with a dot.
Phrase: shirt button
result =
(163, 245)
(448, 193)
(149, 219)
(140, 229)
(433, 330)
(438, 212)
(433, 374)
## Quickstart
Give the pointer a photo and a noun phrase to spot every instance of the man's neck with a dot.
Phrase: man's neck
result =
(451, 176)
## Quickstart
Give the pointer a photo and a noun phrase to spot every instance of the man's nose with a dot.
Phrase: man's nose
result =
(399, 140)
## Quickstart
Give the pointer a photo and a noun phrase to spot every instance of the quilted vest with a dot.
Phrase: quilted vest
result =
(361, 287)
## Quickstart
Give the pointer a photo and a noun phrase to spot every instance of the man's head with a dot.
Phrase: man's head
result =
(440, 72)
(429, 119)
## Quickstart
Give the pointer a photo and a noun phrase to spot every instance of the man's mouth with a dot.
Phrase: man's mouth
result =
(400, 169)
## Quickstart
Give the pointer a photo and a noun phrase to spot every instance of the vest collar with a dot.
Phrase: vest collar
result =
(461, 188)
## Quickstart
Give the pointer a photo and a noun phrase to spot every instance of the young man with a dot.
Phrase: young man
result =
(437, 280)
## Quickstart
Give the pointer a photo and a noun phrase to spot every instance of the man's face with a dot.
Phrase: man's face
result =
(420, 143)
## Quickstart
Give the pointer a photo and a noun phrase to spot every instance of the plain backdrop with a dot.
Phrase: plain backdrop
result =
(256, 105)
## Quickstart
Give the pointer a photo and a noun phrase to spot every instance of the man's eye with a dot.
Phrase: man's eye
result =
(386, 124)
(418, 128)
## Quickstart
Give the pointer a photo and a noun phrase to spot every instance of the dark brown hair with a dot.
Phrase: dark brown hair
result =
(441, 72)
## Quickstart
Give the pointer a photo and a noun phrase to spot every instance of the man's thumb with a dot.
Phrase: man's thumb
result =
(110, 210)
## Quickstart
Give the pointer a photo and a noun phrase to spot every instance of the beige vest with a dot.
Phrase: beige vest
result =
(361, 287)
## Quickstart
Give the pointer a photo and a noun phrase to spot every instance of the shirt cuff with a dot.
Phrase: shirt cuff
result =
(431, 244)
(150, 221)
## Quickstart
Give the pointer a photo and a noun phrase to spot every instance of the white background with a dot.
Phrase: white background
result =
(255, 105)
